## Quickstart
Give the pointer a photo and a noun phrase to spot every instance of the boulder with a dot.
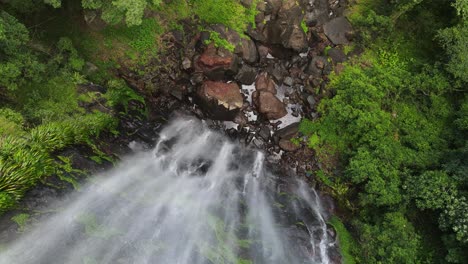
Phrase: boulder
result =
(272, 6)
(216, 63)
(337, 55)
(316, 66)
(337, 30)
(246, 75)
(287, 145)
(268, 105)
(220, 100)
(287, 132)
(265, 83)
(286, 29)
(248, 50)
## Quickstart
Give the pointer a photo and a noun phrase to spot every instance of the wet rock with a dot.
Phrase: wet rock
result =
(263, 51)
(248, 50)
(264, 133)
(246, 75)
(197, 78)
(318, 13)
(216, 63)
(186, 64)
(272, 6)
(220, 100)
(258, 142)
(337, 29)
(288, 81)
(286, 30)
(337, 55)
(287, 145)
(316, 66)
(91, 87)
(287, 132)
(311, 101)
(265, 83)
(268, 105)
(278, 71)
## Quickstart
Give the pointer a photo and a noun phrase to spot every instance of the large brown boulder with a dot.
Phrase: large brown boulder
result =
(268, 105)
(221, 100)
(216, 63)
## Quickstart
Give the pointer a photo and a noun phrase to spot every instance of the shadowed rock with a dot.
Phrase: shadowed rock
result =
(215, 63)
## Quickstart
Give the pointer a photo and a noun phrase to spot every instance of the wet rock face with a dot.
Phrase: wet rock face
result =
(269, 105)
(220, 100)
(216, 63)
(338, 30)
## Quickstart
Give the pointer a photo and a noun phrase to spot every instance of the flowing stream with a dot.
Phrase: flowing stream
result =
(195, 198)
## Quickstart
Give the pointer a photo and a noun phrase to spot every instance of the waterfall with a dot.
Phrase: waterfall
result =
(195, 198)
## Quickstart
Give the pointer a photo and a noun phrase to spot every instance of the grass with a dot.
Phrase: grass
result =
(21, 220)
(348, 246)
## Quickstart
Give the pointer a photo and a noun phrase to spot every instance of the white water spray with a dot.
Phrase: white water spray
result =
(195, 199)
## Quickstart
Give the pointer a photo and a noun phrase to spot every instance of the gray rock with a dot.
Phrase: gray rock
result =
(264, 133)
(316, 66)
(311, 101)
(287, 132)
(337, 29)
(249, 51)
(288, 81)
(337, 55)
(186, 64)
(246, 75)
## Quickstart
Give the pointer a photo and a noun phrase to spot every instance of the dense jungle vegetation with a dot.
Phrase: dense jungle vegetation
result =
(393, 138)
(398, 127)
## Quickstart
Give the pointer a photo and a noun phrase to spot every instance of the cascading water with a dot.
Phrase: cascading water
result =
(195, 199)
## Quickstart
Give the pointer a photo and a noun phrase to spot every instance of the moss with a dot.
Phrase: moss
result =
(304, 26)
(348, 246)
(21, 220)
(227, 12)
(218, 41)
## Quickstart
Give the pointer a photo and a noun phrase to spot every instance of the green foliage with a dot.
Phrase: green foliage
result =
(120, 95)
(390, 240)
(304, 26)
(227, 12)
(454, 40)
(141, 39)
(218, 41)
(10, 122)
(347, 245)
(21, 220)
(18, 64)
